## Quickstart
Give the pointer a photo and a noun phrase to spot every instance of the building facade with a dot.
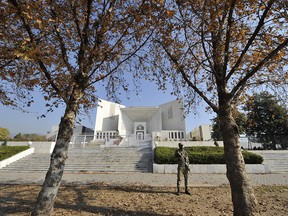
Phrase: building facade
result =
(120, 125)
(81, 134)
(200, 133)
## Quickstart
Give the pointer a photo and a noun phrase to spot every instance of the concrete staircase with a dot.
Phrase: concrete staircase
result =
(277, 161)
(120, 159)
(96, 159)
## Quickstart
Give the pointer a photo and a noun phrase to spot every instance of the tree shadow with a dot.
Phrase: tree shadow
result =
(82, 206)
(145, 162)
(13, 203)
(132, 188)
(22, 202)
(102, 210)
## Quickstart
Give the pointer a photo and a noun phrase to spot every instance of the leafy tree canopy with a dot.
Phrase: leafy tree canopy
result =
(267, 120)
(59, 46)
(65, 48)
(4, 134)
(29, 137)
(205, 47)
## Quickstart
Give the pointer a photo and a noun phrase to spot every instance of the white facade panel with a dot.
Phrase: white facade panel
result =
(107, 116)
(155, 124)
(173, 116)
(125, 125)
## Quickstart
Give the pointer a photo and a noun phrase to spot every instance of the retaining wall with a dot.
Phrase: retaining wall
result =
(209, 168)
(40, 147)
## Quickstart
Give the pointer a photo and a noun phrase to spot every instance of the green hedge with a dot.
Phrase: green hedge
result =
(201, 155)
(8, 151)
(252, 158)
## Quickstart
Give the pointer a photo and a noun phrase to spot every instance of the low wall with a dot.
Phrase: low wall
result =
(243, 144)
(40, 147)
(208, 168)
(174, 144)
(16, 157)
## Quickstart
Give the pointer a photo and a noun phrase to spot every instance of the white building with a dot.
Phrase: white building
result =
(80, 134)
(120, 125)
(200, 133)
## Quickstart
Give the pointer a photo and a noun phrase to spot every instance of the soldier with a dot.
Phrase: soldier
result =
(183, 167)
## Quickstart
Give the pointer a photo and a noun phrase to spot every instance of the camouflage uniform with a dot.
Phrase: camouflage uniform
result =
(183, 167)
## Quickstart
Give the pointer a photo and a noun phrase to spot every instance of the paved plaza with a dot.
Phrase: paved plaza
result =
(140, 178)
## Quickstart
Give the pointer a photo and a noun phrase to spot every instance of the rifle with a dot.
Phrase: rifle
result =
(187, 166)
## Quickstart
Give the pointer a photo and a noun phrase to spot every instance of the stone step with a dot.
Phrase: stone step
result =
(102, 169)
(91, 160)
(92, 163)
(78, 167)
(279, 168)
(277, 161)
(84, 168)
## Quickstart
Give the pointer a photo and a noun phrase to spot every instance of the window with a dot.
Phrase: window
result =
(140, 127)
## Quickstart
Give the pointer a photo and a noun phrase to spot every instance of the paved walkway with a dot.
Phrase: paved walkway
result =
(140, 178)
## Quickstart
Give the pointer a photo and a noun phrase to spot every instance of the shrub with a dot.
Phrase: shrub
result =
(8, 151)
(165, 155)
(252, 158)
(206, 158)
(201, 155)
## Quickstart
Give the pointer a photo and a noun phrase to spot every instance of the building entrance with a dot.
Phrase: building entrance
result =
(140, 130)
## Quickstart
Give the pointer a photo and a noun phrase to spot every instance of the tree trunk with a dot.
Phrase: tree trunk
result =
(47, 195)
(243, 198)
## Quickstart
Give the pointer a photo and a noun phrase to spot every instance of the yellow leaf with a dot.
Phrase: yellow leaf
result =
(39, 21)
(170, 13)
(18, 54)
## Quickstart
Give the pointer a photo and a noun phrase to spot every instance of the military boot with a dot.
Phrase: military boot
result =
(178, 191)
(187, 191)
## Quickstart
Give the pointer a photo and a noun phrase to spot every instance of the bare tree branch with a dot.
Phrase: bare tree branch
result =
(228, 34)
(187, 80)
(254, 70)
(31, 35)
(251, 39)
(62, 43)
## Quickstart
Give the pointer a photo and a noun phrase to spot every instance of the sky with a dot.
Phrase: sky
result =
(18, 122)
